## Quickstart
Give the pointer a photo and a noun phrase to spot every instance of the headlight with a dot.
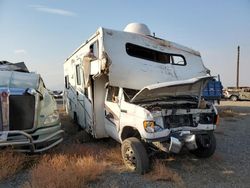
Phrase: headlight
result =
(51, 118)
(149, 126)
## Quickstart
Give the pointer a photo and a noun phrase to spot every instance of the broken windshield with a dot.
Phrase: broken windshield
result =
(129, 93)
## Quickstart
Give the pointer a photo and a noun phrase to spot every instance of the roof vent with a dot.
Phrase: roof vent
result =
(137, 28)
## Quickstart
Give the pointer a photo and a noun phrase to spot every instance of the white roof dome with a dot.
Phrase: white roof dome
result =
(138, 28)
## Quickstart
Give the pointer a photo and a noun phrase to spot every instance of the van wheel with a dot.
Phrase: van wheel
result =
(134, 155)
(206, 144)
(234, 98)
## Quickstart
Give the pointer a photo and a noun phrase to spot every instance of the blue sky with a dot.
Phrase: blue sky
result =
(44, 33)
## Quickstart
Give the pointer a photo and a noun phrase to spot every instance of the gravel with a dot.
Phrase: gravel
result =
(228, 167)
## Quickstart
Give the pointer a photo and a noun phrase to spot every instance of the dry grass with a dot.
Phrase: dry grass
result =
(74, 166)
(103, 151)
(11, 163)
(79, 149)
(113, 155)
(59, 171)
(161, 172)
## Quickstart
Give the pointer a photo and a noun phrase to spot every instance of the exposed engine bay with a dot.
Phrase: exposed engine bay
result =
(182, 113)
(189, 121)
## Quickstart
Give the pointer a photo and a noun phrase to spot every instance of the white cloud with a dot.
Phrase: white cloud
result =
(53, 10)
(20, 51)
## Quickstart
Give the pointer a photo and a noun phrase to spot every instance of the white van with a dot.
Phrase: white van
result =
(143, 91)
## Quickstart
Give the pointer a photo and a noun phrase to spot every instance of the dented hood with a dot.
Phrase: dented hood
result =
(190, 87)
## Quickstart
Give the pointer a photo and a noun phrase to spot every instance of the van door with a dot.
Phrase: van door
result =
(112, 112)
(83, 104)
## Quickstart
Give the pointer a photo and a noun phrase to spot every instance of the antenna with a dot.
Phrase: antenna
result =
(238, 68)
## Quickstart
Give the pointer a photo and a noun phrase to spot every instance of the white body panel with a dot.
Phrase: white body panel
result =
(125, 69)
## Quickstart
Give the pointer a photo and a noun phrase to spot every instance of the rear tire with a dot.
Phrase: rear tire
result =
(134, 155)
(234, 98)
(206, 145)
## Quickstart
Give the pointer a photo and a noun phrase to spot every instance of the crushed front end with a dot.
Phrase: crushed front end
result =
(181, 123)
(178, 117)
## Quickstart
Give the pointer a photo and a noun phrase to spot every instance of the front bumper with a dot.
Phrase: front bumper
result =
(40, 140)
(176, 140)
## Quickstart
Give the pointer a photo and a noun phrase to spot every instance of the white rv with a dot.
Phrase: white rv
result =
(143, 91)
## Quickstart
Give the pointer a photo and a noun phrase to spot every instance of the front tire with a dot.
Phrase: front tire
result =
(134, 155)
(206, 145)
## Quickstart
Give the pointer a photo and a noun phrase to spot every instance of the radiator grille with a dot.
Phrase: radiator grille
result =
(21, 112)
(175, 121)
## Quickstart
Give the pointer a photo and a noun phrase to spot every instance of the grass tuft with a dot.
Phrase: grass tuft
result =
(10, 163)
(161, 172)
(65, 171)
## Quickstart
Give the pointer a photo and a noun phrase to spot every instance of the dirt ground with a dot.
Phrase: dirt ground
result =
(228, 167)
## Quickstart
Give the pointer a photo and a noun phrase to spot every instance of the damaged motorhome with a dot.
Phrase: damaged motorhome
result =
(143, 91)
(29, 119)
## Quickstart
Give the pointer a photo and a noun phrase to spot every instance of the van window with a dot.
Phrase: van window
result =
(177, 60)
(66, 79)
(78, 75)
(153, 55)
(112, 94)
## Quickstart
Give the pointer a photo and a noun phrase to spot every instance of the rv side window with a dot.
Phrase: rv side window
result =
(66, 82)
(113, 94)
(78, 75)
(177, 60)
(153, 55)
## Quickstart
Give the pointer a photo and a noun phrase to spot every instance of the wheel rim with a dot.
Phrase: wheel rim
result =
(130, 158)
(206, 143)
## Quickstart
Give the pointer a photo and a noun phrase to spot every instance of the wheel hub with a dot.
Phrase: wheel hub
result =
(130, 158)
